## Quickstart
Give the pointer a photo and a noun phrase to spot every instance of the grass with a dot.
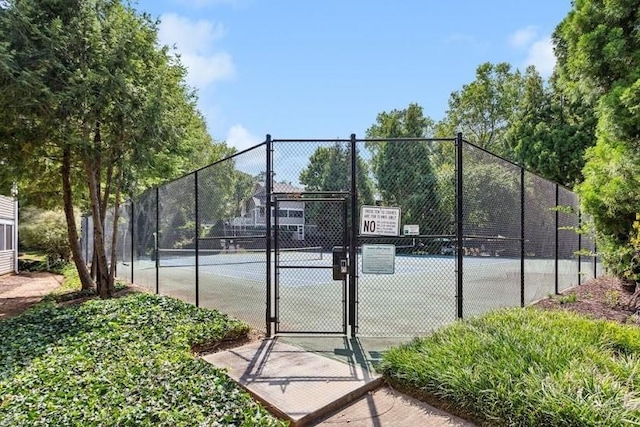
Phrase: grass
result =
(526, 367)
(125, 361)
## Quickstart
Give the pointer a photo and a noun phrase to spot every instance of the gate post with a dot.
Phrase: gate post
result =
(133, 242)
(268, 190)
(157, 240)
(353, 240)
(197, 238)
(579, 246)
(557, 243)
(459, 224)
(522, 248)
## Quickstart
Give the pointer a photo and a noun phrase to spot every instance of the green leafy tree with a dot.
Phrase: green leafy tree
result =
(403, 170)
(86, 87)
(598, 64)
(549, 132)
(483, 109)
(329, 170)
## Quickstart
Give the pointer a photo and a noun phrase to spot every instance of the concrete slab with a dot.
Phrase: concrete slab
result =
(295, 384)
(388, 407)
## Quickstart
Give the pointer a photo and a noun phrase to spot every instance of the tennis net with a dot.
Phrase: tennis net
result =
(187, 257)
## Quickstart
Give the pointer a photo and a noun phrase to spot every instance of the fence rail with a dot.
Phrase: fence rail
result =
(477, 232)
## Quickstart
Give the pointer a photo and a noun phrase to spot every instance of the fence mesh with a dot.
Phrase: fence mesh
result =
(232, 220)
(145, 228)
(419, 178)
(203, 238)
(587, 249)
(176, 230)
(568, 239)
(491, 232)
(123, 243)
(539, 237)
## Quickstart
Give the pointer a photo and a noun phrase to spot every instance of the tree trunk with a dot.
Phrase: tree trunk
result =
(114, 238)
(102, 270)
(81, 265)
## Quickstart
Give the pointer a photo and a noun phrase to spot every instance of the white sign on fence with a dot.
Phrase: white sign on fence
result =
(379, 221)
(378, 259)
(411, 230)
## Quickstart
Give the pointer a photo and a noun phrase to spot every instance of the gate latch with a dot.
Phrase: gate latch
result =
(340, 264)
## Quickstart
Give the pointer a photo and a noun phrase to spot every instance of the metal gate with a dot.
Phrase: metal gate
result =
(310, 231)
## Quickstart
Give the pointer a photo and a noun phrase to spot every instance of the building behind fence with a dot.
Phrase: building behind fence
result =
(280, 236)
(8, 235)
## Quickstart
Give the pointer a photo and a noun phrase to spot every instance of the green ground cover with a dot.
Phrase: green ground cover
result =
(125, 361)
(526, 367)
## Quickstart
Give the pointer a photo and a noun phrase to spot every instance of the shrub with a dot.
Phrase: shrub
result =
(45, 231)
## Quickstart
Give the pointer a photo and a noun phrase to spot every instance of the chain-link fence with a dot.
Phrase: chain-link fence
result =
(391, 237)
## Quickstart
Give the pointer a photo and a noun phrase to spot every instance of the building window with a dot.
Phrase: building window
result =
(296, 214)
(2, 238)
(261, 212)
(282, 213)
(8, 234)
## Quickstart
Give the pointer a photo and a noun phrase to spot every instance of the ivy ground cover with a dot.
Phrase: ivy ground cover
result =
(125, 361)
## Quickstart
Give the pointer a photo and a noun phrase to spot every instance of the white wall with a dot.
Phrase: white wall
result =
(8, 235)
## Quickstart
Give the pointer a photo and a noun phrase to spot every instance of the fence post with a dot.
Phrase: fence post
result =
(522, 246)
(353, 239)
(459, 223)
(557, 243)
(157, 240)
(595, 257)
(133, 242)
(579, 247)
(268, 320)
(197, 239)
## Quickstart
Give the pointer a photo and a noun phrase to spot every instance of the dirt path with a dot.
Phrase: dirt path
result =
(19, 292)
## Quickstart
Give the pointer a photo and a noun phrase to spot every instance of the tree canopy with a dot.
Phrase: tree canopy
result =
(92, 99)
(598, 65)
(402, 169)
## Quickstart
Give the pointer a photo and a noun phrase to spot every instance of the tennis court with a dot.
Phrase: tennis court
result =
(480, 234)
(420, 296)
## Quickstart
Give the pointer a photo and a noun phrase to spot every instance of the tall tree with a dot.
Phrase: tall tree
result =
(483, 109)
(329, 170)
(549, 132)
(85, 86)
(403, 170)
(597, 45)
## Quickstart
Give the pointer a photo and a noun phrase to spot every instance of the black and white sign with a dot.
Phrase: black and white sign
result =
(379, 221)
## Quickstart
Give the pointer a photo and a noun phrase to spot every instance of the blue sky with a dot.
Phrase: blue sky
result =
(325, 69)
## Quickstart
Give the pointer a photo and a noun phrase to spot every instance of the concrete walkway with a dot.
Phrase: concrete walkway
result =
(307, 388)
(19, 292)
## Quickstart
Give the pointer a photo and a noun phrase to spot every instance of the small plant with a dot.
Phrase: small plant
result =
(633, 319)
(567, 299)
(611, 298)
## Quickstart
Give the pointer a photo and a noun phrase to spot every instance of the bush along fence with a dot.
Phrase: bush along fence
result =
(371, 237)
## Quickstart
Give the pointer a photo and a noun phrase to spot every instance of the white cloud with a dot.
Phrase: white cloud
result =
(189, 35)
(193, 41)
(523, 37)
(204, 70)
(541, 55)
(238, 136)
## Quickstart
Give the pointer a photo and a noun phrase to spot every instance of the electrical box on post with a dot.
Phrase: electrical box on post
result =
(340, 263)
